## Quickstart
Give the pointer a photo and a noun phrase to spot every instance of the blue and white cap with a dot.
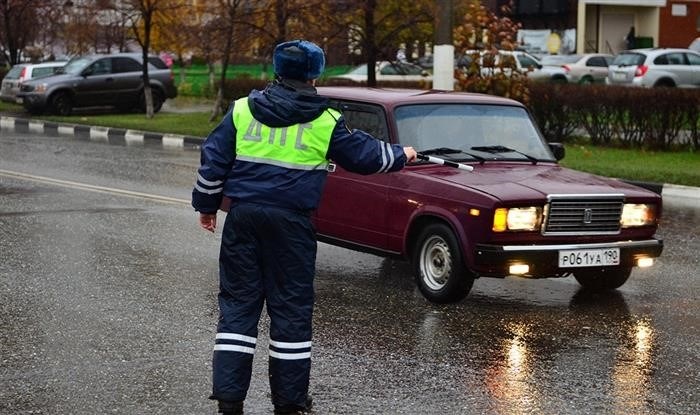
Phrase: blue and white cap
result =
(298, 59)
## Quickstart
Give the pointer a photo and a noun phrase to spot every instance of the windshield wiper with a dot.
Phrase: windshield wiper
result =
(504, 149)
(446, 150)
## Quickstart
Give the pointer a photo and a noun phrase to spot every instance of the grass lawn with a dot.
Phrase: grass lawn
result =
(661, 167)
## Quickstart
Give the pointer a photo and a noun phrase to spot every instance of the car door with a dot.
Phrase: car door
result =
(354, 207)
(597, 68)
(678, 66)
(128, 79)
(96, 85)
(694, 62)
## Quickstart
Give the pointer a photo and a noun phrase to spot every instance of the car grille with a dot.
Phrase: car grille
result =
(583, 215)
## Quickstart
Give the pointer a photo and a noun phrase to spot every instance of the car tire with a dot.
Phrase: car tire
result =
(61, 104)
(586, 80)
(603, 279)
(157, 101)
(438, 265)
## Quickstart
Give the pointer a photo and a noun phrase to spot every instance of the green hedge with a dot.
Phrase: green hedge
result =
(652, 118)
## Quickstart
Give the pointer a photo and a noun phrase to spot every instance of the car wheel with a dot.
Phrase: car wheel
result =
(61, 104)
(438, 266)
(157, 101)
(558, 80)
(603, 279)
(586, 80)
(664, 83)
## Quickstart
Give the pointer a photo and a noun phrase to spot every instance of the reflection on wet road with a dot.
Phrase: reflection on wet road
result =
(107, 305)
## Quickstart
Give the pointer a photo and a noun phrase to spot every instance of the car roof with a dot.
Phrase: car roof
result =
(656, 50)
(399, 96)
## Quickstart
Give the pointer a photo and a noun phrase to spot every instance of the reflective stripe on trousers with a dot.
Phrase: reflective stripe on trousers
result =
(267, 256)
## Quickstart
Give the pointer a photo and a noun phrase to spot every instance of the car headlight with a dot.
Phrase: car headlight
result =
(517, 219)
(634, 214)
(41, 88)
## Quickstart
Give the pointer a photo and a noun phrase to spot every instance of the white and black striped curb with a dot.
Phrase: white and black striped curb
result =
(93, 133)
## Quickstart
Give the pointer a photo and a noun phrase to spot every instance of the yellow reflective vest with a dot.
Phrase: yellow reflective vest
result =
(299, 146)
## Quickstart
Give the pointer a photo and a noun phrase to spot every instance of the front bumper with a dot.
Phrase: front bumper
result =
(495, 260)
(30, 100)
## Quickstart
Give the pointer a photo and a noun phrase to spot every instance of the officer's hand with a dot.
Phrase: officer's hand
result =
(207, 221)
(410, 154)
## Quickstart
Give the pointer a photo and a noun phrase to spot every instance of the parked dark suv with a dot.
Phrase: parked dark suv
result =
(114, 80)
(518, 212)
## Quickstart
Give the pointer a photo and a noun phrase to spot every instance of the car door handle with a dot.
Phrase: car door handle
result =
(109, 80)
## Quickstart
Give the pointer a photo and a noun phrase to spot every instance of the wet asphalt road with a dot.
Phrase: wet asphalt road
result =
(107, 305)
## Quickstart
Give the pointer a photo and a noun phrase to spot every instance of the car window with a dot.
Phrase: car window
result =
(462, 126)
(122, 65)
(676, 58)
(629, 59)
(527, 62)
(596, 61)
(100, 67)
(157, 62)
(14, 72)
(39, 72)
(368, 118)
(693, 59)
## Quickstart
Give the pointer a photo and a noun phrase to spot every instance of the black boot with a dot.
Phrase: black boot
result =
(231, 408)
(295, 409)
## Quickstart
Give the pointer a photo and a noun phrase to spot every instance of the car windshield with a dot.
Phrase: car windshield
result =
(461, 127)
(359, 70)
(75, 66)
(628, 59)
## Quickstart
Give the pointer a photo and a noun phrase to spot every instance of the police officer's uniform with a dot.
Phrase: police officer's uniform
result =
(269, 155)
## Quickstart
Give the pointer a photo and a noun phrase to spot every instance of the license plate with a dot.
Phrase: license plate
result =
(619, 76)
(589, 257)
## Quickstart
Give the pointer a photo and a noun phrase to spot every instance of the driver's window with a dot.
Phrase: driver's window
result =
(101, 67)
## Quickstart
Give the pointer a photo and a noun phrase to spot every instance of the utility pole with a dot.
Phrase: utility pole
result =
(444, 50)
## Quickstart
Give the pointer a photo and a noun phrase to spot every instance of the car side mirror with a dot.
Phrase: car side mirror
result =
(558, 150)
(87, 72)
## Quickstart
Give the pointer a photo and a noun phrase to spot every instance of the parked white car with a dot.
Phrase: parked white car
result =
(523, 62)
(388, 71)
(656, 67)
(585, 68)
(23, 72)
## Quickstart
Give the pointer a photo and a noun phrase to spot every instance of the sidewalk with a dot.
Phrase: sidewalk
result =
(121, 136)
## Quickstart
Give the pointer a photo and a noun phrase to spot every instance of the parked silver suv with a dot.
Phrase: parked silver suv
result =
(656, 67)
(114, 80)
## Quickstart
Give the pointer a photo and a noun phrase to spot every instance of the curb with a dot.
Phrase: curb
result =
(133, 137)
(99, 134)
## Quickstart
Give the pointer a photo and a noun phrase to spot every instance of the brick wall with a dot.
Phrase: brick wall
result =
(679, 31)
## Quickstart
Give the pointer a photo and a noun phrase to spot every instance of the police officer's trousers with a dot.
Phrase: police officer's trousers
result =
(267, 256)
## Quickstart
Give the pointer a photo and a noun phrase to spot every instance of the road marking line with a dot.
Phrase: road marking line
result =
(92, 188)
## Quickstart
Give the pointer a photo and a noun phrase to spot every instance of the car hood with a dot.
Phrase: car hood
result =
(510, 181)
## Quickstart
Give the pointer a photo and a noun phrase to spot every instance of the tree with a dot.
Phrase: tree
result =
(143, 15)
(481, 34)
(229, 12)
(382, 26)
(18, 26)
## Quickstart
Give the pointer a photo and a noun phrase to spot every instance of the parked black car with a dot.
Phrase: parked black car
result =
(114, 80)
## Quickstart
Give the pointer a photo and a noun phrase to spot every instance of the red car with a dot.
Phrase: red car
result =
(518, 212)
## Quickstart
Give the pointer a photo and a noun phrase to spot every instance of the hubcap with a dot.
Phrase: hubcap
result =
(435, 262)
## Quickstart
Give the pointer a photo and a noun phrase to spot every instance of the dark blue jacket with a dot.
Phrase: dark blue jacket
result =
(283, 104)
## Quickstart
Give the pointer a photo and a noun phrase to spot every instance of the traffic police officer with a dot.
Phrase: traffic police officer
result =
(269, 155)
